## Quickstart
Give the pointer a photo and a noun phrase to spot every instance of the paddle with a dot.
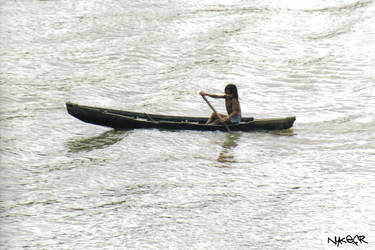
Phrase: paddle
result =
(217, 114)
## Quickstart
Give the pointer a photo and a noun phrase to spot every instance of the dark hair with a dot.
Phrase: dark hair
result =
(232, 89)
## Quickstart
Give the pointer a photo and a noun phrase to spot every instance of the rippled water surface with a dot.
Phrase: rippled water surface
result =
(70, 185)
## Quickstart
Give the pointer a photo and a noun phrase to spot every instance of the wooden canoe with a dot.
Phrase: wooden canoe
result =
(118, 119)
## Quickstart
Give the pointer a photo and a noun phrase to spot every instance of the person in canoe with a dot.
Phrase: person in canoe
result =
(232, 105)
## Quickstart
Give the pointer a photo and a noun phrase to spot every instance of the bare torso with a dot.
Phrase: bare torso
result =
(232, 105)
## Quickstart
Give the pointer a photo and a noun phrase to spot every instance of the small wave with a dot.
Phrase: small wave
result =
(351, 6)
(358, 122)
(229, 10)
(330, 34)
(334, 30)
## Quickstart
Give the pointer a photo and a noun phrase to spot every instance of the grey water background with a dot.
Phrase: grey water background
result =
(70, 185)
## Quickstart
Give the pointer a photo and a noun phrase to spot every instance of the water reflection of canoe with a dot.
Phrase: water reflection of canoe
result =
(118, 119)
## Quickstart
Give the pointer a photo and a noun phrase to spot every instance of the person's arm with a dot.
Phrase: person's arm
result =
(211, 95)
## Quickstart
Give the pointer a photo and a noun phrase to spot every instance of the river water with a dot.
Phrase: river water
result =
(70, 185)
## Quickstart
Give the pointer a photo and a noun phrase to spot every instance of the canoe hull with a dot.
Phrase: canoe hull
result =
(131, 120)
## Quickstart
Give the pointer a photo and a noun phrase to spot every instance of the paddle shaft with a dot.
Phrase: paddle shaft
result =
(217, 114)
